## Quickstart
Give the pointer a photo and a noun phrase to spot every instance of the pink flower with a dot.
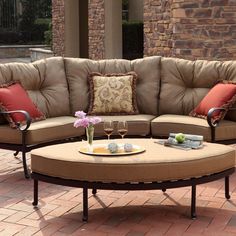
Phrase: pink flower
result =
(81, 122)
(84, 121)
(95, 120)
(80, 114)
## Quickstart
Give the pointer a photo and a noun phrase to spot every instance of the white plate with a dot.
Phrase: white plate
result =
(102, 150)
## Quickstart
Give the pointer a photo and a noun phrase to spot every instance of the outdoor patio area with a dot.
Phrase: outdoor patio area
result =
(134, 69)
(131, 213)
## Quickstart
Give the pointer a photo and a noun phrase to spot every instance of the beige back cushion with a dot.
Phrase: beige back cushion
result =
(147, 70)
(185, 83)
(148, 83)
(228, 72)
(44, 81)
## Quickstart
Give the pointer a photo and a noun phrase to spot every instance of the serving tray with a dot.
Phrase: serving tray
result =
(102, 150)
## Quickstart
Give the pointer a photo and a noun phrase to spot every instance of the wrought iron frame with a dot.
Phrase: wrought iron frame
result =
(24, 147)
(213, 125)
(193, 182)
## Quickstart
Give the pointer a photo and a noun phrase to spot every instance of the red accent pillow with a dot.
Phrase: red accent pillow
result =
(14, 97)
(221, 95)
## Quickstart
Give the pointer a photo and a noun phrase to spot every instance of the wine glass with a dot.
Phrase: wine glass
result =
(122, 128)
(108, 128)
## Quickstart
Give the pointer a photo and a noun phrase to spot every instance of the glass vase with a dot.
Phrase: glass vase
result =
(89, 134)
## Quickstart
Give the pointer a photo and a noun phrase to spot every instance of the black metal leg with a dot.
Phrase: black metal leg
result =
(35, 202)
(16, 153)
(27, 176)
(94, 191)
(227, 195)
(213, 134)
(85, 204)
(193, 202)
(163, 190)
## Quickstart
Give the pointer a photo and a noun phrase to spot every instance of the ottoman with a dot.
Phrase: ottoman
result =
(159, 167)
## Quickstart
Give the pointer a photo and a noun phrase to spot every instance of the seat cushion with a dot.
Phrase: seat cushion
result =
(137, 124)
(43, 131)
(165, 124)
(157, 163)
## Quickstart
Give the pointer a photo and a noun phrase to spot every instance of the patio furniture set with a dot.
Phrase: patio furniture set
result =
(155, 95)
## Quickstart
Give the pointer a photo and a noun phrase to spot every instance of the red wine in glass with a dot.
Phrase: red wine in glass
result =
(122, 128)
(108, 128)
(108, 131)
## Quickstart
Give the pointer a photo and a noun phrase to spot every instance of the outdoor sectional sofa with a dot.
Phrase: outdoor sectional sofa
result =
(168, 89)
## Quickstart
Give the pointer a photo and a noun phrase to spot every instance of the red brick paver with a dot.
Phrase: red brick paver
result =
(128, 213)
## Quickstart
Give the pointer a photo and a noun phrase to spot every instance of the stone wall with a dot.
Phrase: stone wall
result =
(58, 22)
(191, 29)
(96, 29)
(205, 29)
(18, 51)
(158, 28)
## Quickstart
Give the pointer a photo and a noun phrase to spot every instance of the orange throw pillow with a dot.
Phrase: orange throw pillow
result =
(221, 95)
(14, 97)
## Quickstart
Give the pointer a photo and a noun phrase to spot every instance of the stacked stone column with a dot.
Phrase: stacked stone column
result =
(96, 29)
(58, 27)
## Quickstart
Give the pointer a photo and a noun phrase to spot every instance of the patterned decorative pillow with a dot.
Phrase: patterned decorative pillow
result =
(223, 95)
(113, 94)
(14, 97)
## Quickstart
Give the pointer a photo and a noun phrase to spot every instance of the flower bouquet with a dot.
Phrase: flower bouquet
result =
(88, 123)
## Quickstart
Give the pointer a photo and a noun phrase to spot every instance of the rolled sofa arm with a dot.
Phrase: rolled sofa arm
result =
(18, 125)
(211, 112)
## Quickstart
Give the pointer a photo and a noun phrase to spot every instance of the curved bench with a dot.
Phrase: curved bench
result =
(159, 167)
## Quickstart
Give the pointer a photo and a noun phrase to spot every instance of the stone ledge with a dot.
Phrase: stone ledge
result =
(23, 46)
(17, 51)
(40, 53)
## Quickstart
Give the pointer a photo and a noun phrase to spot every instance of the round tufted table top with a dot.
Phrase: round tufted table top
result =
(157, 163)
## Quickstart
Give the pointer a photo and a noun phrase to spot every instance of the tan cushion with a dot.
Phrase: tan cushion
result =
(137, 124)
(45, 82)
(77, 72)
(47, 130)
(165, 124)
(147, 69)
(228, 71)
(148, 84)
(113, 94)
(185, 83)
(157, 163)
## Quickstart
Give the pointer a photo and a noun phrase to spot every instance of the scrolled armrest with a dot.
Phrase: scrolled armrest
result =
(18, 125)
(210, 113)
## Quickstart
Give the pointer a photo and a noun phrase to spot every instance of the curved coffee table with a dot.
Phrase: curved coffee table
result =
(159, 167)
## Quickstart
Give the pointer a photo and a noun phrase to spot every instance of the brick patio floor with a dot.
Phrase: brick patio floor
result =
(130, 213)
